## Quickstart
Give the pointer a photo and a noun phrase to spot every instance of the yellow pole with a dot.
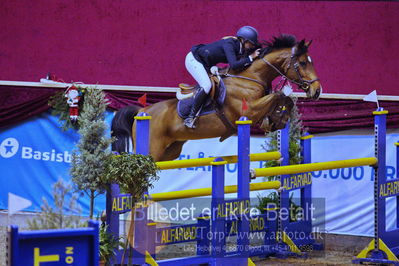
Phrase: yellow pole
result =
(302, 168)
(264, 156)
(200, 192)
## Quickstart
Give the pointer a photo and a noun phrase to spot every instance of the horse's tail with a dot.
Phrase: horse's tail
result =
(121, 128)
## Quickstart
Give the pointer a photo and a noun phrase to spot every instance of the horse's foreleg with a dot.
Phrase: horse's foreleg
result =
(173, 151)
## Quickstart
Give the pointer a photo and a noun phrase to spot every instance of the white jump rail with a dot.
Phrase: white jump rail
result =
(337, 96)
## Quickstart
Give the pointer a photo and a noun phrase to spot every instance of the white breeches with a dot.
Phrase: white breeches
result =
(197, 70)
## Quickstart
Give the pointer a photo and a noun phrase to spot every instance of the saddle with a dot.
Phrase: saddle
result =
(213, 104)
(187, 91)
(216, 96)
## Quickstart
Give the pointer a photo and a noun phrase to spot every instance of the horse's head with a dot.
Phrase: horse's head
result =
(290, 59)
(301, 71)
(280, 114)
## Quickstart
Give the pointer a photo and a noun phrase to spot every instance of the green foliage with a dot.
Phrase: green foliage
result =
(109, 244)
(135, 173)
(65, 213)
(93, 150)
(60, 107)
(88, 162)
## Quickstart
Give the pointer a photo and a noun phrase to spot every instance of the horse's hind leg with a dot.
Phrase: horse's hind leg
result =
(173, 151)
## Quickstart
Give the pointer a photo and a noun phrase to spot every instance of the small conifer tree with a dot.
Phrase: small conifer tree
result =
(93, 150)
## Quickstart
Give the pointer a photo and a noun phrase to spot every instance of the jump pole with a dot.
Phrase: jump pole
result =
(202, 192)
(310, 167)
(263, 156)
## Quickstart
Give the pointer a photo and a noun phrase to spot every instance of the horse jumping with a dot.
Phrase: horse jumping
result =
(283, 56)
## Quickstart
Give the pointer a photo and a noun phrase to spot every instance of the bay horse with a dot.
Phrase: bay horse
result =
(283, 56)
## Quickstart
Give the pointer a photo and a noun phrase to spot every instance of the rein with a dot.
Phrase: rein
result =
(303, 83)
(242, 77)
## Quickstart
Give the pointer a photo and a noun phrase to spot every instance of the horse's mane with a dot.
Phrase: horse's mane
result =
(279, 42)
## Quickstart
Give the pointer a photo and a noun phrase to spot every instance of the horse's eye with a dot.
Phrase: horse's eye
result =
(303, 63)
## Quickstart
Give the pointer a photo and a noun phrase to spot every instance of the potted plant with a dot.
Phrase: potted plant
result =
(135, 174)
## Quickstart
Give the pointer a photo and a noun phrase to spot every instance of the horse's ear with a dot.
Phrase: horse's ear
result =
(298, 48)
(308, 43)
(301, 44)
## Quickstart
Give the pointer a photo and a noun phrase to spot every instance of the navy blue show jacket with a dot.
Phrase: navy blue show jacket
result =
(227, 50)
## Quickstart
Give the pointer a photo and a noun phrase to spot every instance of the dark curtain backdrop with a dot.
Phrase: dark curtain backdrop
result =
(20, 103)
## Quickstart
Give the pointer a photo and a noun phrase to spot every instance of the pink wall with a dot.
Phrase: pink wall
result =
(143, 42)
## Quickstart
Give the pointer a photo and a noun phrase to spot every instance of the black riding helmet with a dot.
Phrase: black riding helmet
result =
(248, 33)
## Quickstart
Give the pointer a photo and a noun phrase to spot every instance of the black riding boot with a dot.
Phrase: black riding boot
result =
(199, 99)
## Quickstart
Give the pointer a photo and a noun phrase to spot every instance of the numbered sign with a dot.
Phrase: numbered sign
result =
(54, 247)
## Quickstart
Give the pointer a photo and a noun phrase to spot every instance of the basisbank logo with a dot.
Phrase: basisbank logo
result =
(10, 146)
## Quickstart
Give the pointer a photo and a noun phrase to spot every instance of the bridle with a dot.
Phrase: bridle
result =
(304, 84)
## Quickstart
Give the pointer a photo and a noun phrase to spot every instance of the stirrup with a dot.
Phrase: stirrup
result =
(190, 122)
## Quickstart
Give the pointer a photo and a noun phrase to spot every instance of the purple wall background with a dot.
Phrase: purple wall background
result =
(144, 42)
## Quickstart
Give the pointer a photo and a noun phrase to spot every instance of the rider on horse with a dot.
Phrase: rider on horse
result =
(229, 50)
